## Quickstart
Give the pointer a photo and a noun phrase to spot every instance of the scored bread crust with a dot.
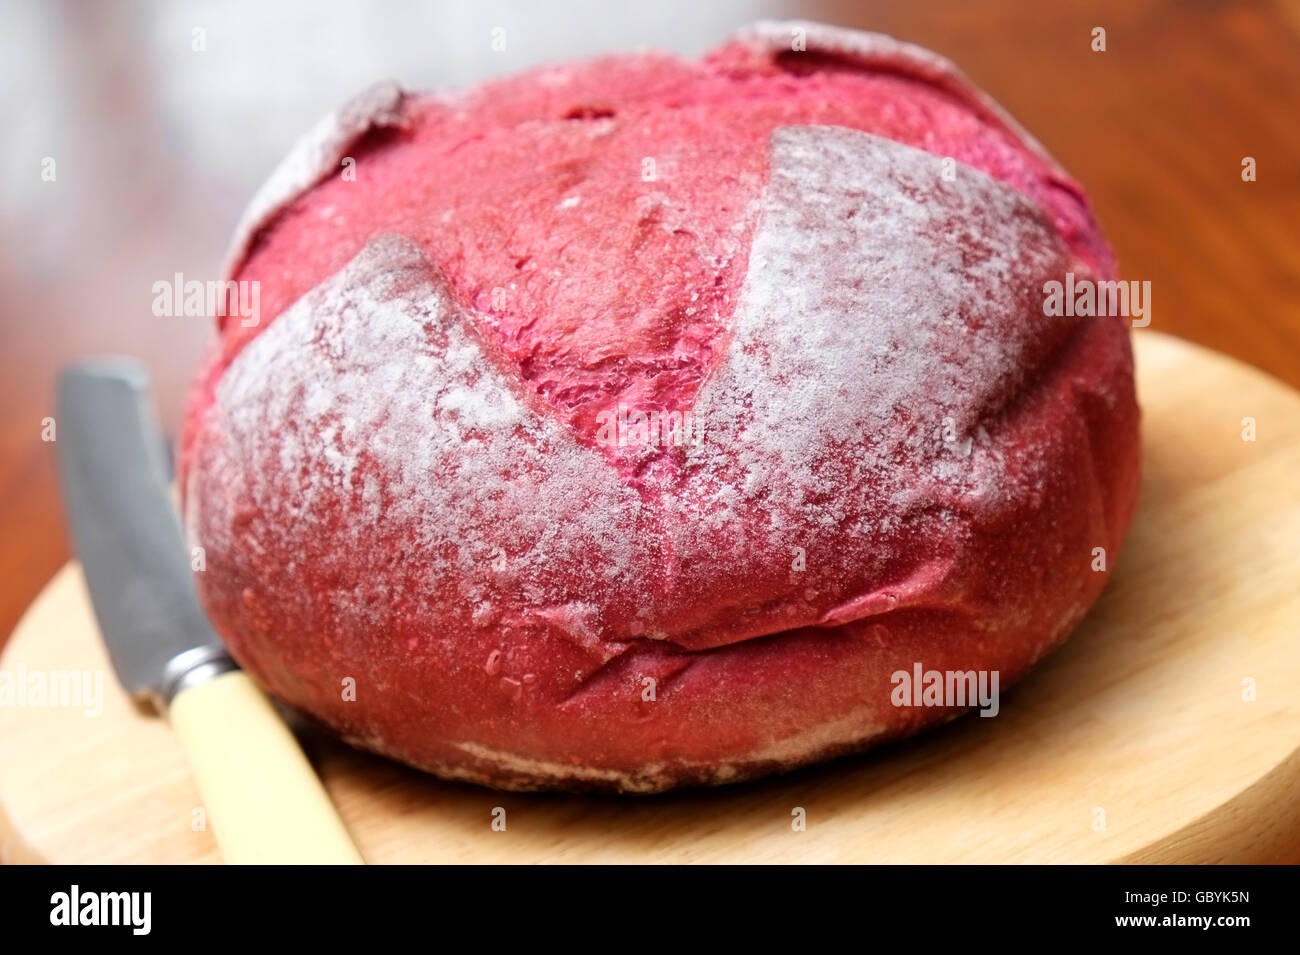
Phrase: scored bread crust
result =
(398, 484)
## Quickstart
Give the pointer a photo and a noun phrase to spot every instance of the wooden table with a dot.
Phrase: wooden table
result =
(1156, 127)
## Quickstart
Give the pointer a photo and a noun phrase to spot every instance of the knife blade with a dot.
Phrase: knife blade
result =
(126, 532)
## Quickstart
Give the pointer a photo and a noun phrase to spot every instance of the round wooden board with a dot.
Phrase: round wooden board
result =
(1135, 742)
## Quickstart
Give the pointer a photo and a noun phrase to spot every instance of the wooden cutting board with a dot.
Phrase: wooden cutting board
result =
(1167, 729)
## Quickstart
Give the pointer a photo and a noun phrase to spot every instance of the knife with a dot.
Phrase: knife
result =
(262, 797)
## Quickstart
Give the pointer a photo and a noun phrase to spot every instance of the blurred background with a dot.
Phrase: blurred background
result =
(157, 145)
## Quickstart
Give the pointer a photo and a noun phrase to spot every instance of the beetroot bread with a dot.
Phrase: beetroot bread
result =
(828, 264)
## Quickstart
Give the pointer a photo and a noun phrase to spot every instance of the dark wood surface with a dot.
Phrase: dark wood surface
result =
(157, 148)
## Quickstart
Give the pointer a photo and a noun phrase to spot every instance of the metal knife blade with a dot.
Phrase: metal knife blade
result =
(127, 533)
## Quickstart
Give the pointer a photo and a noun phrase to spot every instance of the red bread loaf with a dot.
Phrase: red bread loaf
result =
(412, 476)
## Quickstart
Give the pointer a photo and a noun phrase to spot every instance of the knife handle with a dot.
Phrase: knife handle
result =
(265, 802)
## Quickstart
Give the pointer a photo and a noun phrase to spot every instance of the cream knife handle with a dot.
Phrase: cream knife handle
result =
(265, 802)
